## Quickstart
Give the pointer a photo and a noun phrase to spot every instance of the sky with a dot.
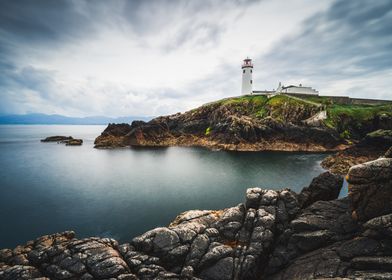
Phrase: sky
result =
(156, 57)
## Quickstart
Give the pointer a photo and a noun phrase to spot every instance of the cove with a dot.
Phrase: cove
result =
(48, 187)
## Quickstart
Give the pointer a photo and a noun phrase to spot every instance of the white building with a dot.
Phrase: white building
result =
(247, 82)
(296, 89)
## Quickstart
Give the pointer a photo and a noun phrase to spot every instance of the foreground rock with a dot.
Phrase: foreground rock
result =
(272, 235)
(67, 140)
(373, 146)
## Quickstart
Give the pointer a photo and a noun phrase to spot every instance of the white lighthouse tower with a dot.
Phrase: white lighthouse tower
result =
(247, 69)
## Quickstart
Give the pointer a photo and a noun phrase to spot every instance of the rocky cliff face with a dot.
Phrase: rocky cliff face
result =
(254, 123)
(272, 235)
(241, 124)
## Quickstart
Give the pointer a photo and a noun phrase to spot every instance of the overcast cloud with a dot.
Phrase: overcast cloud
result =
(118, 58)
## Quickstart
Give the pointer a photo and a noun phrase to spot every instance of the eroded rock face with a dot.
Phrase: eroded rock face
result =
(324, 187)
(227, 127)
(272, 235)
(370, 189)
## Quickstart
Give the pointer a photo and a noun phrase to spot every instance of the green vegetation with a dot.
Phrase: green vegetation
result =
(256, 100)
(279, 100)
(345, 134)
(208, 131)
(252, 105)
(360, 113)
(350, 120)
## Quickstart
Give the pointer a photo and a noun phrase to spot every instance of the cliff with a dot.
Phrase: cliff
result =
(255, 123)
(272, 235)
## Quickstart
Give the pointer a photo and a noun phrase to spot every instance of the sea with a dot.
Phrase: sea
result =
(121, 193)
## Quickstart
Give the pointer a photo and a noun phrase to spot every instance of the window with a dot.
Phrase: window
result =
(251, 81)
(243, 71)
(251, 71)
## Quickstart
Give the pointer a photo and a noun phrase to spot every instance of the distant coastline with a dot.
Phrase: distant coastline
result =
(38, 118)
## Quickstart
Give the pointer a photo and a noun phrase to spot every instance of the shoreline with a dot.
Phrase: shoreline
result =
(247, 241)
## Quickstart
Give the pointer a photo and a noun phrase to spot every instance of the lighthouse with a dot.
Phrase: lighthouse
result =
(247, 69)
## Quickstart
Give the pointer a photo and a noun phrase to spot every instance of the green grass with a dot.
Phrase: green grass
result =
(342, 117)
(279, 100)
(252, 105)
(208, 131)
(257, 100)
(347, 117)
(359, 112)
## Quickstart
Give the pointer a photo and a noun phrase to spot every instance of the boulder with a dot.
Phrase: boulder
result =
(370, 189)
(326, 186)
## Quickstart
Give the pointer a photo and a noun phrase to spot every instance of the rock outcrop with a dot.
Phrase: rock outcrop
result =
(227, 126)
(255, 123)
(57, 138)
(272, 235)
(371, 147)
(67, 140)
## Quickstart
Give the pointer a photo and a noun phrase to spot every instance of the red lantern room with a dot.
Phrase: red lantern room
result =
(247, 63)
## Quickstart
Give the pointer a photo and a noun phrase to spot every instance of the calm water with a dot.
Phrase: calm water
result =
(49, 187)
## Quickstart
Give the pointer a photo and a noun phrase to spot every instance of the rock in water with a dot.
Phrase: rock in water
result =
(67, 140)
(74, 142)
(57, 138)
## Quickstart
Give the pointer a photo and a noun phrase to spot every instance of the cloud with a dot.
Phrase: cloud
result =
(348, 45)
(157, 57)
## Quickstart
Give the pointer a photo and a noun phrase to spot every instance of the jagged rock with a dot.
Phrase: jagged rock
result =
(370, 189)
(225, 125)
(326, 186)
(113, 136)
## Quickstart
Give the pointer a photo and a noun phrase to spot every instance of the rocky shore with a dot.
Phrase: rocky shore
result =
(238, 124)
(371, 147)
(272, 235)
(239, 134)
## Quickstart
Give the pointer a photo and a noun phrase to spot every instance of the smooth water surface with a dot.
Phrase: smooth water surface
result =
(49, 187)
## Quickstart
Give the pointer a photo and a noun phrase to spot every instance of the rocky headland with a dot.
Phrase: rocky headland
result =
(272, 235)
(256, 123)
